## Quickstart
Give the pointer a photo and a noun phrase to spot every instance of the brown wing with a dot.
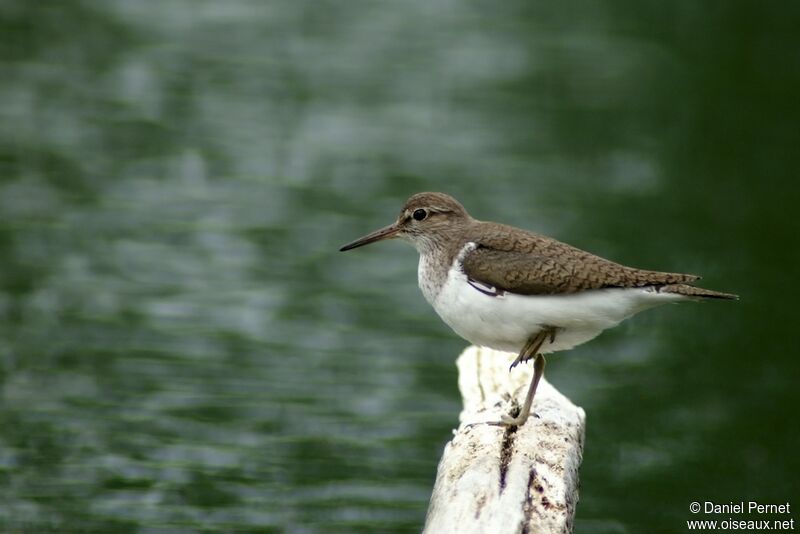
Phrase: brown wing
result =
(531, 264)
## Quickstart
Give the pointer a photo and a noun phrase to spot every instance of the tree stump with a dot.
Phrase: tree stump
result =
(493, 479)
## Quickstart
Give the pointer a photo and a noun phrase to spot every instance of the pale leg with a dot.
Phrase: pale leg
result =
(530, 350)
(525, 411)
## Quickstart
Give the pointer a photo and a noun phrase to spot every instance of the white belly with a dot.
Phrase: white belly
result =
(507, 321)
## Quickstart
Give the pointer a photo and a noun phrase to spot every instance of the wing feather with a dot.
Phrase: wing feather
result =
(531, 264)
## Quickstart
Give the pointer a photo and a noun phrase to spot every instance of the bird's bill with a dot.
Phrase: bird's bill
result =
(387, 232)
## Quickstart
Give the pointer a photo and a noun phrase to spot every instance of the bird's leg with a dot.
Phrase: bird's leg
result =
(525, 411)
(530, 350)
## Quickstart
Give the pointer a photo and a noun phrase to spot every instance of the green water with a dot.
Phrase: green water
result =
(182, 348)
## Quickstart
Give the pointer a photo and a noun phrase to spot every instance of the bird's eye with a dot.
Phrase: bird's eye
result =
(419, 214)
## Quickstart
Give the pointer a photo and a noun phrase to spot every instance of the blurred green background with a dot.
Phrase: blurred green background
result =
(182, 347)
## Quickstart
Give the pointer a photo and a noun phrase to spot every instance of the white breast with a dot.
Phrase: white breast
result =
(506, 322)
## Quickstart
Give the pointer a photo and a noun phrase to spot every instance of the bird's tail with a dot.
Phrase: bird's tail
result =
(696, 292)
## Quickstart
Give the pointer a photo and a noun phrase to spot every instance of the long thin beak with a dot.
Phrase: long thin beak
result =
(386, 232)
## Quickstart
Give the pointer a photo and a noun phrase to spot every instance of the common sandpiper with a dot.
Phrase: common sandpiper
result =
(514, 290)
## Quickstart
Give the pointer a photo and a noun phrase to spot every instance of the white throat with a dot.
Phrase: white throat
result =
(427, 277)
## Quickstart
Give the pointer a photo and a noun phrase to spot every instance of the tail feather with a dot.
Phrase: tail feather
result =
(696, 292)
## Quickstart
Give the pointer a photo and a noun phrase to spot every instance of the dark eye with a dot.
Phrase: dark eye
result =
(419, 214)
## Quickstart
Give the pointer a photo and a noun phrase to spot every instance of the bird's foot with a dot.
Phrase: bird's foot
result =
(530, 349)
(507, 421)
(518, 360)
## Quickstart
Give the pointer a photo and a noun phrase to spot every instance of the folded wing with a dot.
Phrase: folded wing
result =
(538, 265)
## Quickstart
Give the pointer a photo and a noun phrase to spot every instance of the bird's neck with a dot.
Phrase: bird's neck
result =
(435, 262)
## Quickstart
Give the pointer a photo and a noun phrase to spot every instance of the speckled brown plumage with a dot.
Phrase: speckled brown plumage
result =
(523, 262)
(526, 263)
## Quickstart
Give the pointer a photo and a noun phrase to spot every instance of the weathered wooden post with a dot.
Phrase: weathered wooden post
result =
(497, 480)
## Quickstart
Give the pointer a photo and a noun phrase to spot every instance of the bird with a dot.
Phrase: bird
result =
(515, 290)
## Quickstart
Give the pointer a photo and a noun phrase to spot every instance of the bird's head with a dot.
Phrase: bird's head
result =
(425, 220)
